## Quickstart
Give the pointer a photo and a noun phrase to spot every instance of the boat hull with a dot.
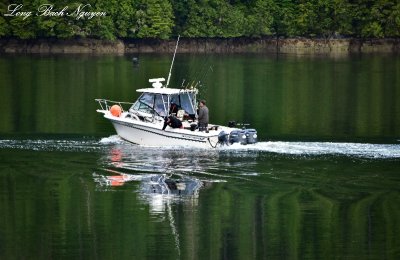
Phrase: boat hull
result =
(149, 135)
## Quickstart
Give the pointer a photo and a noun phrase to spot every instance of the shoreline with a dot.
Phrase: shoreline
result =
(201, 45)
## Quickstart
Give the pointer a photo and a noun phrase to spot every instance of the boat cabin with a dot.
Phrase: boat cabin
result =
(161, 101)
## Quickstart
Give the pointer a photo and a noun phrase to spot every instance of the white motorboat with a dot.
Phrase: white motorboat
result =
(142, 122)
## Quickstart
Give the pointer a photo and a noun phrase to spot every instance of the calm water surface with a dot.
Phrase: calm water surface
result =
(323, 182)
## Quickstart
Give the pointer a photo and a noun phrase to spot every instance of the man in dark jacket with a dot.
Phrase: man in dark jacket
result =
(172, 122)
(202, 116)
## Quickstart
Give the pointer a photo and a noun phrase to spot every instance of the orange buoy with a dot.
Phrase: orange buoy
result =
(116, 110)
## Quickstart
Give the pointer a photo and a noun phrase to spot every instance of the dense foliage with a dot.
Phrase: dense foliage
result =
(164, 19)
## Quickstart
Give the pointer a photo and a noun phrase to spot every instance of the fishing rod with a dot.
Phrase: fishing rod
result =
(172, 63)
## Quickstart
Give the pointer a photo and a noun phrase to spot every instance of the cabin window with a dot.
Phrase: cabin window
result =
(145, 104)
(184, 101)
(160, 102)
(157, 104)
(151, 104)
(147, 99)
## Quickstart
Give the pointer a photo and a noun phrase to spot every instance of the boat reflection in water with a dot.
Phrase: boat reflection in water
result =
(163, 184)
(173, 179)
(157, 190)
(160, 192)
(163, 187)
(164, 178)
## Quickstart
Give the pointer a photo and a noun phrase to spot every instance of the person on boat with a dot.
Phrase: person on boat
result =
(173, 108)
(172, 122)
(202, 116)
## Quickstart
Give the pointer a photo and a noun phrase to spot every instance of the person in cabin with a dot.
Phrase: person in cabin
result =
(173, 108)
(172, 122)
(202, 117)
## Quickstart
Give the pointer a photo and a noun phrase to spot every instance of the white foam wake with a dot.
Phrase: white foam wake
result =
(324, 148)
(113, 139)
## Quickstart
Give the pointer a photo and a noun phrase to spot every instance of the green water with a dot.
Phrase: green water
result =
(283, 97)
(323, 183)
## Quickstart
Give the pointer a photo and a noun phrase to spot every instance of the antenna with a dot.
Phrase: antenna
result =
(172, 64)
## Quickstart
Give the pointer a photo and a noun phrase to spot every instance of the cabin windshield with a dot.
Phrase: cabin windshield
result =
(152, 104)
(160, 104)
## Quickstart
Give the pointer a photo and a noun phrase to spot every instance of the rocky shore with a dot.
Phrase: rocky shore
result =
(202, 45)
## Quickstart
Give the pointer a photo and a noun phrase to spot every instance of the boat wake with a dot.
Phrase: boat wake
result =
(363, 150)
(113, 139)
(325, 148)
(71, 145)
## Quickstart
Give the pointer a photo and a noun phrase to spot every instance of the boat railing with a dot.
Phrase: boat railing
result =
(106, 104)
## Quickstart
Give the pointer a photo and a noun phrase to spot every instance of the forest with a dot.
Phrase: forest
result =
(165, 19)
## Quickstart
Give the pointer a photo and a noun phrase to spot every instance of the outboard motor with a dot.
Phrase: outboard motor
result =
(251, 136)
(223, 138)
(238, 136)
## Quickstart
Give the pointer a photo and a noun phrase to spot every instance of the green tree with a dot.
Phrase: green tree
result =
(101, 27)
(383, 19)
(124, 18)
(4, 28)
(23, 29)
(154, 19)
(283, 13)
(20, 27)
(373, 23)
(369, 17)
(209, 18)
(4, 31)
(201, 20)
(392, 27)
(341, 17)
(260, 18)
(214, 18)
(45, 26)
(323, 18)
(181, 12)
(233, 22)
